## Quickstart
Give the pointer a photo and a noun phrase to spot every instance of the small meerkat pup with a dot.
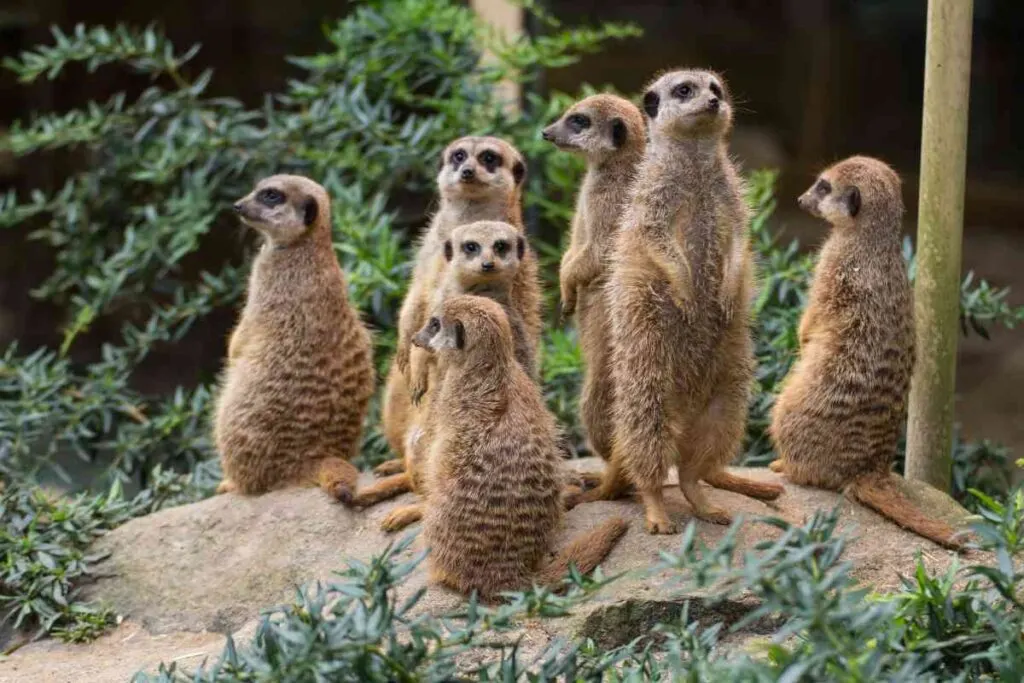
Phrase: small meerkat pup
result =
(608, 131)
(679, 295)
(299, 373)
(481, 178)
(494, 467)
(484, 259)
(838, 416)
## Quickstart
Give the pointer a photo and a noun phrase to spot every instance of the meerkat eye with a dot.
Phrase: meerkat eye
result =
(500, 247)
(716, 90)
(579, 122)
(823, 187)
(683, 91)
(458, 156)
(470, 248)
(270, 197)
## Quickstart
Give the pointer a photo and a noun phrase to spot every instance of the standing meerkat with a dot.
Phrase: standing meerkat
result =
(608, 131)
(483, 258)
(679, 295)
(494, 468)
(838, 416)
(481, 178)
(299, 373)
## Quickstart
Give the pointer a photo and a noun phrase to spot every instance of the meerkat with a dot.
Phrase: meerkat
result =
(494, 466)
(482, 258)
(608, 131)
(299, 373)
(480, 178)
(679, 294)
(838, 416)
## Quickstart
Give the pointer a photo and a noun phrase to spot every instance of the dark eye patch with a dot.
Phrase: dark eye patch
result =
(578, 122)
(457, 157)
(651, 102)
(490, 160)
(716, 90)
(435, 325)
(270, 197)
(470, 248)
(684, 91)
(823, 187)
(500, 247)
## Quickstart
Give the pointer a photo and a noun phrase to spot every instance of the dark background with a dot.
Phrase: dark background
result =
(815, 81)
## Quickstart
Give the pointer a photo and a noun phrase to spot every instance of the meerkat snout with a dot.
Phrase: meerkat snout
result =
(467, 174)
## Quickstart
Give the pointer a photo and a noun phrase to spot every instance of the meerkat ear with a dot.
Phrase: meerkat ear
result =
(651, 102)
(448, 251)
(519, 171)
(852, 199)
(460, 335)
(309, 211)
(520, 248)
(619, 132)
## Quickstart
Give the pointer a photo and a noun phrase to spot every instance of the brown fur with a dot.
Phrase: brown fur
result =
(679, 295)
(502, 248)
(494, 194)
(612, 141)
(494, 469)
(299, 373)
(838, 416)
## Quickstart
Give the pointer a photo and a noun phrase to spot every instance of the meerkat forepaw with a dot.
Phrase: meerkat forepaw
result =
(226, 486)
(416, 394)
(714, 515)
(776, 466)
(389, 467)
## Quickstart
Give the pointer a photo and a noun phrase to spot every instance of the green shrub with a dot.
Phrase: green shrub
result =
(134, 231)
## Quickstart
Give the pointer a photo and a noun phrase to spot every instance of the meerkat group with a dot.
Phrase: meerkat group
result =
(659, 278)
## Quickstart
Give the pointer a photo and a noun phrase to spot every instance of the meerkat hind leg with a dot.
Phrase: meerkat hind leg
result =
(613, 485)
(384, 489)
(702, 507)
(401, 517)
(389, 467)
(777, 466)
(226, 486)
(656, 516)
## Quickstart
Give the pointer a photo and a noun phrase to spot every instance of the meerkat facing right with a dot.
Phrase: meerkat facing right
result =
(494, 467)
(609, 132)
(679, 291)
(838, 416)
(480, 178)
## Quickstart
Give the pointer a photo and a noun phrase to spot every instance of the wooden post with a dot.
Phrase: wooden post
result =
(507, 19)
(939, 236)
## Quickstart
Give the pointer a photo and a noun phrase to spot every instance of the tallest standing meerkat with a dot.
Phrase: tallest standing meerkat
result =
(679, 291)
(609, 132)
(837, 420)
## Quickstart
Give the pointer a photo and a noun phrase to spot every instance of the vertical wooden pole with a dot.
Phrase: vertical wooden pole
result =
(939, 236)
(507, 19)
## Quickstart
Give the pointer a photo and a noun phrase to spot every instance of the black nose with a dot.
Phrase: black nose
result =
(487, 265)
(713, 104)
(467, 173)
(546, 135)
(237, 207)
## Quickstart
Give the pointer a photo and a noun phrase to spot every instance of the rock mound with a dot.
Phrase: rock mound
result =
(183, 575)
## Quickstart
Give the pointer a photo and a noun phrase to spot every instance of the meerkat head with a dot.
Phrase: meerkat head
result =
(467, 325)
(484, 252)
(688, 103)
(481, 168)
(598, 127)
(854, 190)
(284, 208)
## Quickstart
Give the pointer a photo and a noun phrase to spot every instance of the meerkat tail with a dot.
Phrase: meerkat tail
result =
(881, 494)
(338, 477)
(585, 552)
(401, 517)
(762, 490)
(389, 467)
(379, 491)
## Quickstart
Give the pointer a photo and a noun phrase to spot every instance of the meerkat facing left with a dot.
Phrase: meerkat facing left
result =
(494, 467)
(679, 291)
(299, 373)
(838, 416)
(609, 132)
